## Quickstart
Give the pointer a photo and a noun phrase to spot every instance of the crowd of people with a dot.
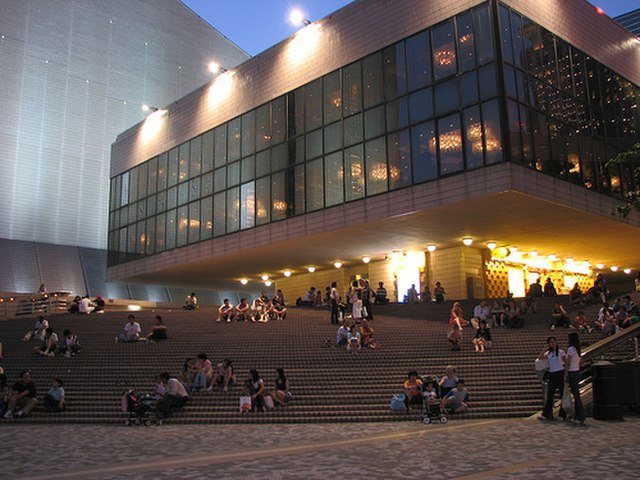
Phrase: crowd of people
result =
(262, 310)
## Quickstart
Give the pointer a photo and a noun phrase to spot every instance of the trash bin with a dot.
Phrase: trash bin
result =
(606, 403)
(628, 379)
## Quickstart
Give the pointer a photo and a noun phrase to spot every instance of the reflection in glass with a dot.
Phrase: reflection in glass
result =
(247, 205)
(194, 222)
(394, 68)
(376, 165)
(449, 144)
(332, 97)
(351, 89)
(466, 41)
(333, 179)
(372, 80)
(492, 132)
(233, 209)
(419, 61)
(263, 201)
(444, 51)
(314, 185)
(399, 154)
(219, 214)
(423, 152)
(473, 145)
(206, 218)
(354, 173)
(278, 197)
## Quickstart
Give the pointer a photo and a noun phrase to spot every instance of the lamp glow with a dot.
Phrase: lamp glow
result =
(431, 248)
(311, 268)
(268, 283)
(214, 67)
(244, 281)
(533, 253)
(467, 241)
(366, 259)
(337, 264)
(491, 245)
(627, 271)
(296, 17)
(265, 277)
(287, 273)
(614, 268)
(600, 266)
(552, 257)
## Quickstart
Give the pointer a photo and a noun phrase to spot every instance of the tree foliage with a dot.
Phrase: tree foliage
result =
(632, 199)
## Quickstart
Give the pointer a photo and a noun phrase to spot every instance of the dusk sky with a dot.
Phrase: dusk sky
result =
(255, 25)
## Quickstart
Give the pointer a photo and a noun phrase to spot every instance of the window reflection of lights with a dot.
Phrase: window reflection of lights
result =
(615, 181)
(356, 170)
(261, 212)
(279, 205)
(444, 57)
(378, 172)
(209, 225)
(466, 38)
(449, 142)
(336, 102)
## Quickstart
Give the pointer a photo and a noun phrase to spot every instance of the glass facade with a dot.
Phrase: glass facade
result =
(421, 109)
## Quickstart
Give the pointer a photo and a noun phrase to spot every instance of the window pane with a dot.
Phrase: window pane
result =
(393, 63)
(220, 150)
(488, 82)
(162, 172)
(354, 173)
(444, 52)
(527, 145)
(376, 164)
(399, 153)
(516, 36)
(421, 105)
(418, 61)
(152, 202)
(183, 193)
(233, 209)
(183, 224)
(207, 184)
(466, 41)
(133, 185)
(172, 197)
(469, 88)
(194, 222)
(541, 138)
(446, 97)
(351, 89)
(183, 162)
(333, 137)
(247, 205)
(278, 198)
(171, 229)
(505, 34)
(161, 232)
(172, 172)
(484, 37)
(450, 144)
(332, 97)
(473, 145)
(423, 152)
(296, 105)
(372, 78)
(313, 105)
(510, 82)
(374, 122)
(514, 132)
(279, 157)
(313, 143)
(263, 128)
(263, 200)
(194, 189)
(195, 157)
(397, 114)
(233, 174)
(492, 132)
(207, 151)
(219, 214)
(162, 201)
(220, 179)
(248, 169)
(353, 130)
(233, 140)
(315, 185)
(278, 120)
(333, 176)
(298, 192)
(206, 218)
(263, 163)
(143, 179)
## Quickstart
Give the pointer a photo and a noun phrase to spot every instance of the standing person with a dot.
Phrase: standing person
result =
(366, 299)
(412, 294)
(355, 298)
(381, 294)
(333, 301)
(439, 292)
(572, 369)
(550, 288)
(23, 395)
(555, 356)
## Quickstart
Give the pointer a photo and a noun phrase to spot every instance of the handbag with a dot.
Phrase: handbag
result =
(245, 403)
(397, 403)
(567, 403)
(268, 401)
(541, 366)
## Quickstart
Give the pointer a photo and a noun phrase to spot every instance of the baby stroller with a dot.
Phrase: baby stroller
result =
(141, 409)
(431, 401)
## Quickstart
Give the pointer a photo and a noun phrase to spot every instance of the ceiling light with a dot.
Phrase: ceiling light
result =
(569, 259)
(467, 241)
(431, 247)
(366, 259)
(533, 253)
(491, 245)
(337, 264)
(600, 266)
(265, 277)
(552, 257)
(627, 271)
(268, 283)
(244, 281)
(311, 268)
(287, 273)
(614, 268)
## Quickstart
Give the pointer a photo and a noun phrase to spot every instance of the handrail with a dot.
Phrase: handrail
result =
(598, 348)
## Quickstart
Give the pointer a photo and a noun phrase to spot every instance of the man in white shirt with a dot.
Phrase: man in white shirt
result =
(176, 395)
(131, 331)
(191, 302)
(482, 311)
(85, 306)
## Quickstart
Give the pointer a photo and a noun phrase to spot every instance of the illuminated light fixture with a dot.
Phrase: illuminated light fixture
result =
(431, 247)
(467, 241)
(134, 308)
(533, 253)
(296, 17)
(149, 108)
(552, 257)
(513, 249)
(216, 68)
(366, 259)
(627, 271)
(337, 264)
(569, 259)
(614, 268)
(287, 273)
(244, 281)
(311, 268)
(491, 245)
(264, 277)
(600, 11)
(600, 266)
(268, 283)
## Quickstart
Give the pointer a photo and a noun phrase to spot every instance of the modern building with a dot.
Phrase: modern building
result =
(630, 21)
(408, 142)
(73, 75)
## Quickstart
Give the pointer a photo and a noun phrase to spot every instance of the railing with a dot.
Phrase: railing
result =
(598, 350)
(37, 304)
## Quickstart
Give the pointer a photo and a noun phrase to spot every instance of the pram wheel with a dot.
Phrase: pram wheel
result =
(147, 423)
(443, 419)
(136, 421)
(426, 420)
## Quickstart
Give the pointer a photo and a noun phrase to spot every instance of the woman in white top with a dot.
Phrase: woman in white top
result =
(572, 367)
(555, 377)
(355, 297)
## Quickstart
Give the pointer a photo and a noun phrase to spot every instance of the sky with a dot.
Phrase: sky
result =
(256, 25)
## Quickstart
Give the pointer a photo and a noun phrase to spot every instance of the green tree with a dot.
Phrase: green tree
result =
(632, 199)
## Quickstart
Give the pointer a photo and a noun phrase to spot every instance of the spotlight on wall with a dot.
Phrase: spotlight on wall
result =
(264, 277)
(287, 273)
(600, 266)
(311, 268)
(491, 246)
(431, 248)
(337, 264)
(268, 283)
(244, 281)
(614, 268)
(627, 271)
(366, 259)
(296, 17)
(214, 67)
(467, 241)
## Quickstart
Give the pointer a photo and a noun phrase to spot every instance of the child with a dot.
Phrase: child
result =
(455, 337)
(582, 324)
(70, 345)
(54, 398)
(430, 395)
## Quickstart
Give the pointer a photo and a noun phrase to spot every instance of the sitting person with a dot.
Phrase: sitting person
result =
(606, 320)
(74, 305)
(457, 317)
(131, 331)
(176, 395)
(449, 381)
(280, 297)
(581, 323)
(430, 394)
(23, 396)
(224, 375)
(342, 335)
(457, 400)
(49, 344)
(160, 389)
(191, 302)
(254, 386)
(69, 345)
(482, 339)
(86, 306)
(381, 294)
(498, 315)
(203, 373)
(262, 309)
(367, 335)
(412, 390)
(425, 297)
(189, 371)
(243, 311)
(54, 398)
(38, 331)
(282, 393)
(278, 311)
(353, 339)
(575, 296)
(454, 337)
(482, 311)
(559, 316)
(632, 318)
(512, 314)
(225, 311)
(158, 331)
(98, 304)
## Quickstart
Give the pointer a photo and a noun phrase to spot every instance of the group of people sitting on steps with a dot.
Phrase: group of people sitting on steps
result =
(19, 400)
(132, 331)
(354, 336)
(450, 391)
(261, 310)
(50, 343)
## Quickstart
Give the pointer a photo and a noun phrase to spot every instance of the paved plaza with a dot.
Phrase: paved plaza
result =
(502, 449)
